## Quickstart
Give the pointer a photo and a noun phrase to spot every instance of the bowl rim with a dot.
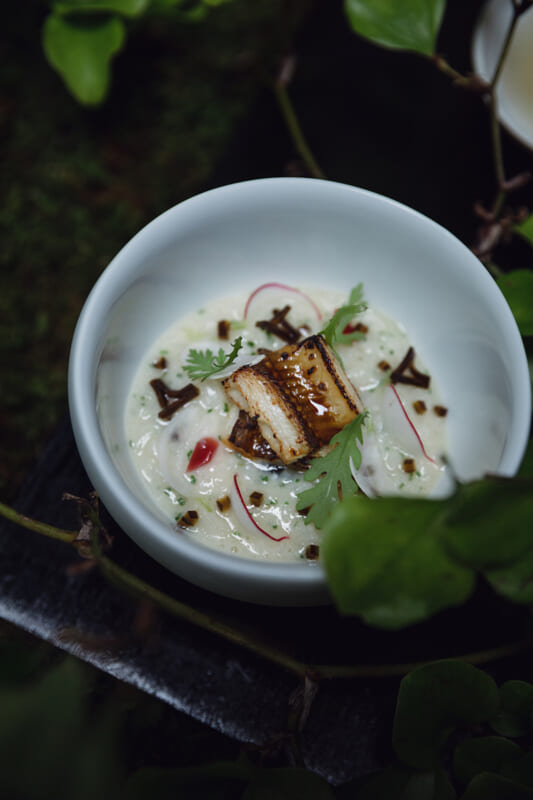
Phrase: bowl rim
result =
(152, 534)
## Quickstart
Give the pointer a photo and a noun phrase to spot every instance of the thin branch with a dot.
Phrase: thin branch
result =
(506, 46)
(446, 68)
(120, 577)
(295, 130)
(38, 527)
(497, 150)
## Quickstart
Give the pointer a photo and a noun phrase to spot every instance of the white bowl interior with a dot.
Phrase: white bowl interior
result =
(306, 233)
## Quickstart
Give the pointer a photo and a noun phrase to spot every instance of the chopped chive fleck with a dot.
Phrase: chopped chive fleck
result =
(192, 479)
(226, 408)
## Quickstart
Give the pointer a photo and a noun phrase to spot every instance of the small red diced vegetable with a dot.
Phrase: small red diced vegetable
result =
(202, 454)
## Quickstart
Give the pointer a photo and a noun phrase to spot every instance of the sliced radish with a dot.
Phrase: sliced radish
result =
(397, 421)
(244, 516)
(286, 289)
(362, 480)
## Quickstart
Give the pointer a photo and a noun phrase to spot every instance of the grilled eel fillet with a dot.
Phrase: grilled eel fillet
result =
(299, 396)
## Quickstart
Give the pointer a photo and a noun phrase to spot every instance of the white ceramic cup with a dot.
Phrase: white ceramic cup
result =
(298, 231)
(514, 89)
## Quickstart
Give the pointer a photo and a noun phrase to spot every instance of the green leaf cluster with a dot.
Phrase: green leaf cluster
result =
(454, 735)
(81, 38)
(202, 364)
(332, 474)
(334, 333)
(397, 561)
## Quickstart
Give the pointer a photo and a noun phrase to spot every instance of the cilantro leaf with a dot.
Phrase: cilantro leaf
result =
(334, 333)
(201, 364)
(333, 473)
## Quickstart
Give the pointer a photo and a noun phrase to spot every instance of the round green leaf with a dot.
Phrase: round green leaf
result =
(128, 8)
(383, 563)
(483, 754)
(515, 581)
(399, 24)
(434, 701)
(514, 717)
(402, 783)
(520, 770)
(81, 54)
(488, 786)
(525, 229)
(481, 517)
(517, 288)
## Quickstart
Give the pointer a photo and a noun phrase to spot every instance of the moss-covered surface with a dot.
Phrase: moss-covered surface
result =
(78, 183)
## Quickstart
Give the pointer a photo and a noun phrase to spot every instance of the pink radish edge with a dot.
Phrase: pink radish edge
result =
(254, 523)
(408, 418)
(281, 286)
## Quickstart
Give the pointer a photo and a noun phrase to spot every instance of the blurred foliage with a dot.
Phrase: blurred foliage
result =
(77, 184)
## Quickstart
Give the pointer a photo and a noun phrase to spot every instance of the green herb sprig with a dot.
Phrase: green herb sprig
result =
(202, 364)
(334, 473)
(333, 333)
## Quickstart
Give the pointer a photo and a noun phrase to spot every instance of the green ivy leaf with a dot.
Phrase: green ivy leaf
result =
(384, 564)
(520, 770)
(488, 786)
(128, 8)
(50, 746)
(435, 700)
(517, 288)
(514, 717)
(482, 754)
(81, 54)
(398, 24)
(402, 783)
(515, 581)
(481, 514)
(525, 229)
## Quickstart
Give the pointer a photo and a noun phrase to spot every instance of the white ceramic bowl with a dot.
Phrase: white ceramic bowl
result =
(514, 90)
(308, 232)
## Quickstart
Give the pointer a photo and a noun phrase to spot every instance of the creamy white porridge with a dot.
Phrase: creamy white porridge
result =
(222, 495)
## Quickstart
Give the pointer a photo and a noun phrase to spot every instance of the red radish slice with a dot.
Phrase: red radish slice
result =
(202, 454)
(286, 289)
(396, 418)
(247, 517)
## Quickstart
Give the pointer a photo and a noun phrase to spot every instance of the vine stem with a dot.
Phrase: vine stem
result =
(497, 150)
(38, 527)
(291, 120)
(120, 577)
